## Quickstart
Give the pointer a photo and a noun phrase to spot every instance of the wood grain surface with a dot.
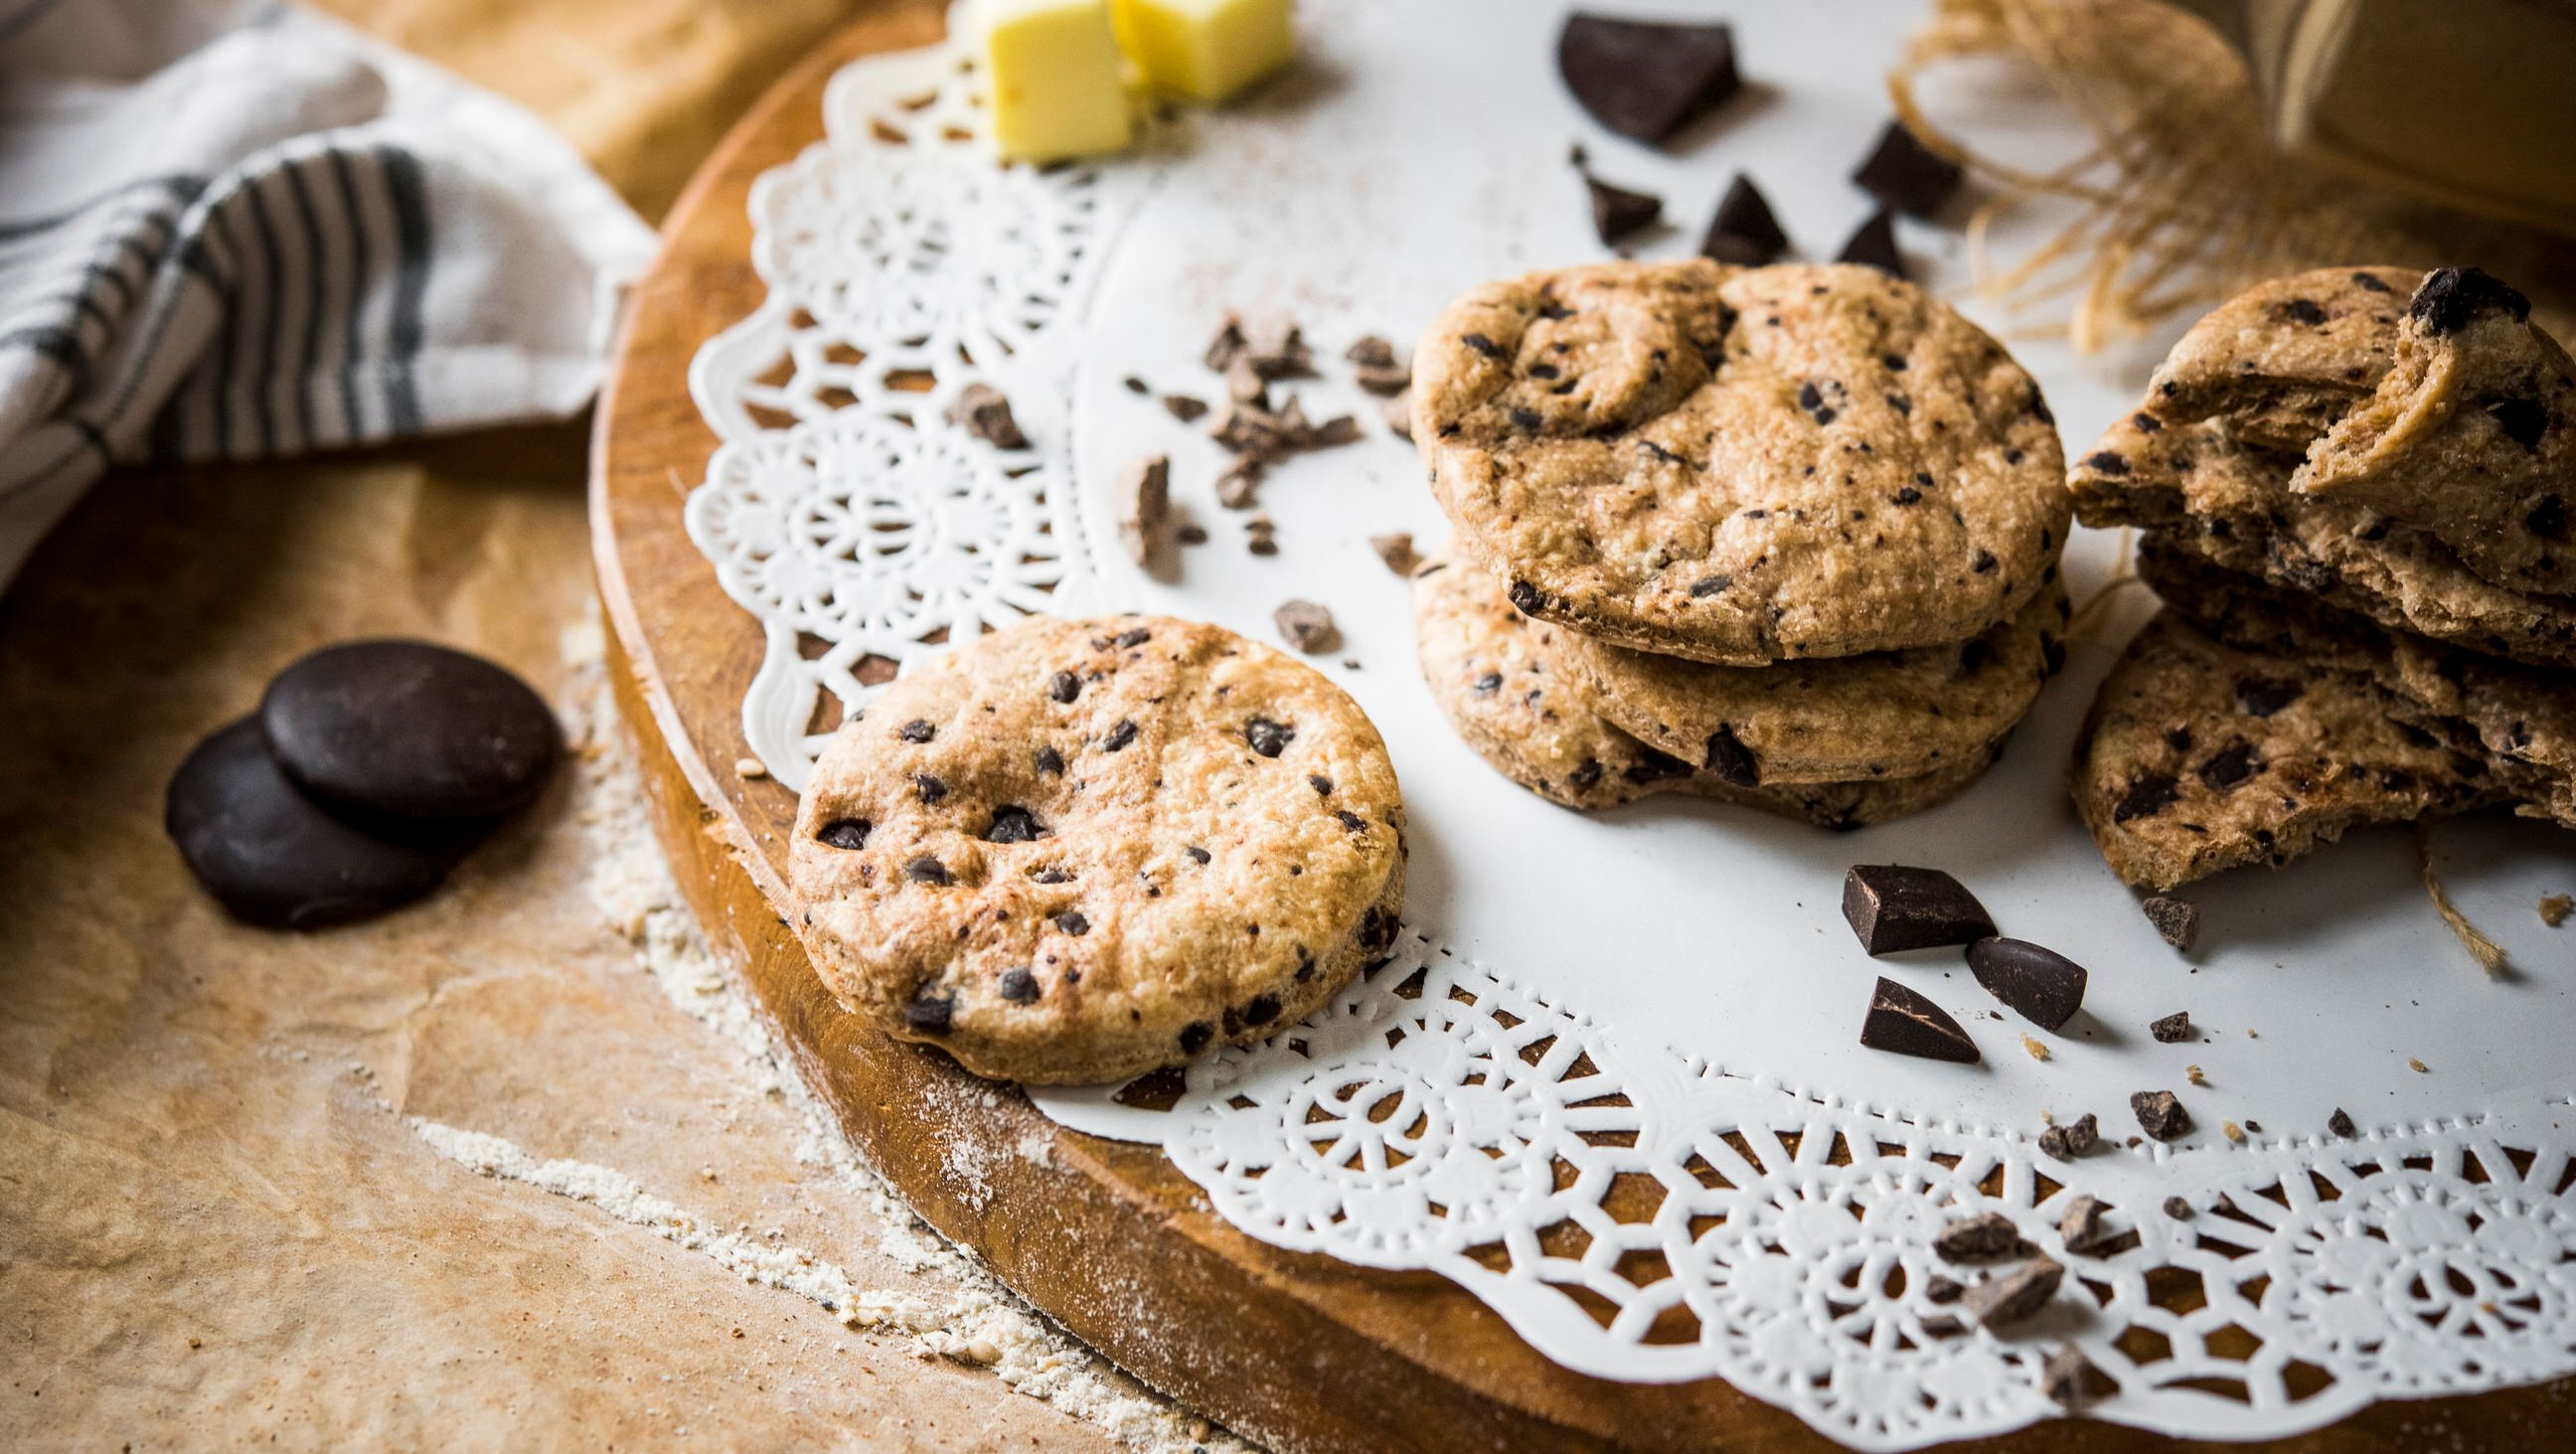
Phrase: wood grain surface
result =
(1298, 1351)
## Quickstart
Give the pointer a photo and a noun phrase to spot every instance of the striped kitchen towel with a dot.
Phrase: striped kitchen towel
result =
(234, 228)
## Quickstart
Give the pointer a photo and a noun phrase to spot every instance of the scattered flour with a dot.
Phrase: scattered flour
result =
(974, 1319)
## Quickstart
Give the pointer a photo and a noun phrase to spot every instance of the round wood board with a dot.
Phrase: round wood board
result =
(1297, 1351)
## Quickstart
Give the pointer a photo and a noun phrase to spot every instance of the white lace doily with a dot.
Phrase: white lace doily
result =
(1610, 1085)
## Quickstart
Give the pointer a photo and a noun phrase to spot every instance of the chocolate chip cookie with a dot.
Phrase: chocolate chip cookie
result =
(1886, 714)
(2204, 491)
(1740, 465)
(1497, 677)
(1076, 851)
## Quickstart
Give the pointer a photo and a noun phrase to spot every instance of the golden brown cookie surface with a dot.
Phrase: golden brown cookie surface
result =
(1081, 850)
(1740, 465)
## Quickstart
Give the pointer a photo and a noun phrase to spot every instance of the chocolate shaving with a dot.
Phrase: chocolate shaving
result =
(1307, 626)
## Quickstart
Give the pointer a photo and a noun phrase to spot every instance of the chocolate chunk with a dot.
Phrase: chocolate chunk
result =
(1014, 824)
(1644, 79)
(1050, 761)
(2070, 1139)
(2173, 1029)
(406, 729)
(1895, 908)
(1236, 483)
(931, 1015)
(1526, 419)
(1905, 1023)
(1873, 245)
(1276, 348)
(1184, 407)
(2149, 793)
(2041, 985)
(1984, 564)
(2016, 1295)
(1071, 921)
(1489, 683)
(2263, 696)
(1267, 737)
(928, 870)
(1226, 346)
(2080, 1226)
(916, 731)
(2305, 310)
(1617, 211)
(1145, 506)
(1351, 820)
(2450, 297)
(1731, 760)
(1136, 385)
(845, 833)
(1397, 551)
(1120, 735)
(1942, 1290)
(2178, 920)
(2178, 1209)
(1322, 785)
(1481, 344)
(1195, 1037)
(1261, 1009)
(1985, 1237)
(2160, 1114)
(2106, 463)
(1019, 986)
(2229, 766)
(1743, 231)
(929, 786)
(1064, 686)
(1307, 626)
(275, 856)
(1196, 853)
(982, 411)
(2066, 1377)
(1905, 175)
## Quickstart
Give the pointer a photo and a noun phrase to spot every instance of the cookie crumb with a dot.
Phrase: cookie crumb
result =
(1397, 551)
(2192, 1073)
(2417, 1066)
(982, 410)
(2037, 1048)
(750, 768)
(2233, 1132)
(1307, 626)
(1145, 506)
(2177, 920)
(2554, 909)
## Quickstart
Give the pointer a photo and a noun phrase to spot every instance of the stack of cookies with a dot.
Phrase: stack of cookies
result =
(1078, 851)
(1785, 536)
(2355, 486)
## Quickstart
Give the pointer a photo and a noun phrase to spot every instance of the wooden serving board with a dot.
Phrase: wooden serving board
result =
(1297, 1351)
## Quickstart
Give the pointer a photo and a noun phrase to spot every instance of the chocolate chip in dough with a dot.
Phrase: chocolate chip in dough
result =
(410, 730)
(2038, 983)
(1873, 245)
(1731, 760)
(274, 856)
(1267, 737)
(1905, 175)
(1895, 908)
(2449, 298)
(1905, 1023)
(1645, 79)
(1743, 231)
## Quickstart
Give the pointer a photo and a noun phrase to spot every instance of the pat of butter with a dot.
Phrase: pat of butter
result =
(1057, 83)
(1208, 49)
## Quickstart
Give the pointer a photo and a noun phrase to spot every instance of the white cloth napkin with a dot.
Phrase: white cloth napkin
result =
(231, 230)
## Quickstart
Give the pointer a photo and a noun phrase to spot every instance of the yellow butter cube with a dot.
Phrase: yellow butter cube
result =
(1208, 49)
(1056, 80)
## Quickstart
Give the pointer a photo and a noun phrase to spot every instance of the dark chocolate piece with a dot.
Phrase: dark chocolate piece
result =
(1873, 245)
(2340, 1123)
(410, 730)
(982, 410)
(2178, 920)
(1731, 760)
(1617, 211)
(2041, 985)
(2015, 1295)
(274, 856)
(2080, 1227)
(1905, 1023)
(2065, 1377)
(2173, 1029)
(1019, 986)
(2160, 1114)
(2449, 298)
(1014, 824)
(2178, 1209)
(2070, 1139)
(1645, 79)
(1894, 908)
(1905, 175)
(1267, 737)
(1986, 1237)
(1743, 232)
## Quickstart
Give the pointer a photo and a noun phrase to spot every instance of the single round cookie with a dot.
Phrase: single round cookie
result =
(1077, 851)
(1740, 465)
(1496, 677)
(1886, 714)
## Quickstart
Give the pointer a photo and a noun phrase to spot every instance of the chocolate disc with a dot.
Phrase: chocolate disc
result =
(273, 856)
(410, 730)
